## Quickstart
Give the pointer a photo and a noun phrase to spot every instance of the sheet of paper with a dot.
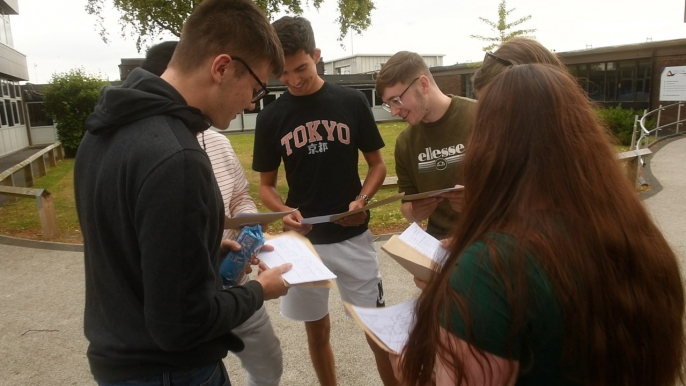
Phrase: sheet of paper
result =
(243, 219)
(428, 245)
(338, 216)
(306, 266)
(432, 193)
(392, 325)
(317, 220)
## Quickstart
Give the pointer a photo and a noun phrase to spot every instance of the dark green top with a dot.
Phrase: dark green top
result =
(538, 348)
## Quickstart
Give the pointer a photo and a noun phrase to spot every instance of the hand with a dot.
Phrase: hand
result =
(422, 209)
(395, 363)
(456, 199)
(254, 260)
(420, 283)
(293, 222)
(227, 246)
(445, 243)
(354, 219)
(272, 283)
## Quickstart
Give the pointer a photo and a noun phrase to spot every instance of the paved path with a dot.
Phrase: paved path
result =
(42, 297)
(668, 204)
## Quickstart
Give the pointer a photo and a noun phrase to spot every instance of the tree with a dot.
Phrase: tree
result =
(503, 28)
(147, 19)
(69, 98)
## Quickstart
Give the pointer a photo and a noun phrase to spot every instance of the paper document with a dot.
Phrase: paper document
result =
(307, 267)
(432, 193)
(336, 217)
(417, 238)
(417, 251)
(243, 219)
(388, 326)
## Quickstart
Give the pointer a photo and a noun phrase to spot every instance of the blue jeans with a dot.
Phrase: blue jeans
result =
(211, 375)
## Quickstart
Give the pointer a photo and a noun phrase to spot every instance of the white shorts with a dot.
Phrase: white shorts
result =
(356, 266)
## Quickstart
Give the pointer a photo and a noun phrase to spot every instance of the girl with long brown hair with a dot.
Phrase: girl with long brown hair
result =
(556, 274)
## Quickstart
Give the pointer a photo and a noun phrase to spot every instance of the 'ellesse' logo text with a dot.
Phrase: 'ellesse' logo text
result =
(440, 159)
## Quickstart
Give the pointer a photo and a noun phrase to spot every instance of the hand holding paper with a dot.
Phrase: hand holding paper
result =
(291, 248)
(389, 327)
(336, 217)
(273, 284)
(353, 219)
(417, 251)
(294, 222)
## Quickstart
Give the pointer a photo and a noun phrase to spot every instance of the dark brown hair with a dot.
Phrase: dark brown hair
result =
(517, 51)
(402, 67)
(539, 167)
(234, 27)
(158, 56)
(295, 34)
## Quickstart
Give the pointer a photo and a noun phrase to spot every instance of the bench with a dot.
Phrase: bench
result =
(53, 151)
(46, 208)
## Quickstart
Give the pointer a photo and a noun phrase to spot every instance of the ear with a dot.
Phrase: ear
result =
(317, 55)
(424, 83)
(219, 69)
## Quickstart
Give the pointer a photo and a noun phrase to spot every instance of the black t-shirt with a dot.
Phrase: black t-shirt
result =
(318, 137)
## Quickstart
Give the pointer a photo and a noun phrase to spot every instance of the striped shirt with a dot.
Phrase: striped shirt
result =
(229, 174)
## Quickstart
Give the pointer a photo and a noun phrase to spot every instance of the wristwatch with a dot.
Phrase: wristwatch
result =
(365, 197)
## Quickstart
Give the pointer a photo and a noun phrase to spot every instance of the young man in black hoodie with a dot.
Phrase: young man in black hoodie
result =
(151, 212)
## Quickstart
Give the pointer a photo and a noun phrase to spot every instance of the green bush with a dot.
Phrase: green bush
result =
(619, 121)
(69, 99)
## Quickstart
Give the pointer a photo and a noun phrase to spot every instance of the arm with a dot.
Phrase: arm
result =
(480, 368)
(375, 176)
(183, 303)
(413, 211)
(272, 200)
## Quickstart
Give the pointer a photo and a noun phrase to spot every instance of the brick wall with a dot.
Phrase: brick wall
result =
(450, 84)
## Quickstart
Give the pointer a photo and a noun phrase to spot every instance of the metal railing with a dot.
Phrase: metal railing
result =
(646, 133)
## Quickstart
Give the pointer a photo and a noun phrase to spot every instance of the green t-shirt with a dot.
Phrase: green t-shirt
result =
(538, 347)
(429, 156)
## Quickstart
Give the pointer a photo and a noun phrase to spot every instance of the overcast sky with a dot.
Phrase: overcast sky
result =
(57, 36)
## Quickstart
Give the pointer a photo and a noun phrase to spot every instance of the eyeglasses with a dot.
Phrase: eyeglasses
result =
(504, 62)
(259, 94)
(396, 102)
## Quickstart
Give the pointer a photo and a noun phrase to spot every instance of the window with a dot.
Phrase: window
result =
(21, 112)
(37, 114)
(3, 116)
(643, 79)
(16, 112)
(8, 108)
(345, 70)
(370, 96)
(596, 82)
(627, 75)
(5, 89)
(11, 87)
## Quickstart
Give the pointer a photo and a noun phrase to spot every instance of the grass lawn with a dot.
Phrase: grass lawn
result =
(19, 218)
